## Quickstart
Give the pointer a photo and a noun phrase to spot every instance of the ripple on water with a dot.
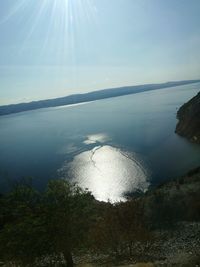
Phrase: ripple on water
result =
(108, 172)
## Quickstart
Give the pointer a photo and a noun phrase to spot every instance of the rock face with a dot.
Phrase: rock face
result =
(189, 120)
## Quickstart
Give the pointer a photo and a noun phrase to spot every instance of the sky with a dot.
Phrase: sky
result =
(52, 48)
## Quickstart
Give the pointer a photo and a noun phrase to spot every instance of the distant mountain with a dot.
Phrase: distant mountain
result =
(86, 97)
(189, 119)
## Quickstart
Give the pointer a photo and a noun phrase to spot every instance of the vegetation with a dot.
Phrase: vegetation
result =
(44, 227)
(50, 228)
(189, 120)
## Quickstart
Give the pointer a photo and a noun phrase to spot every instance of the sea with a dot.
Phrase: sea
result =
(115, 147)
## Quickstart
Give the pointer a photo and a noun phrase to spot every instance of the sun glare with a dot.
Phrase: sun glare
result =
(60, 21)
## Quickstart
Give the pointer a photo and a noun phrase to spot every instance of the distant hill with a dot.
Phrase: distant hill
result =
(86, 97)
(189, 119)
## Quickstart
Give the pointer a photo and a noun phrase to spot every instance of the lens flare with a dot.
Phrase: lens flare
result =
(57, 23)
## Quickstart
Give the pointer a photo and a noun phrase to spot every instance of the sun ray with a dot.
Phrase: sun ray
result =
(59, 25)
(18, 6)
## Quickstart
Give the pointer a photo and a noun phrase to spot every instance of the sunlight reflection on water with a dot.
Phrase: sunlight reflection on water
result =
(96, 138)
(108, 172)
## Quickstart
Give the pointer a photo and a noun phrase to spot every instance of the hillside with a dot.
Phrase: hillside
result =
(189, 120)
(91, 96)
(161, 227)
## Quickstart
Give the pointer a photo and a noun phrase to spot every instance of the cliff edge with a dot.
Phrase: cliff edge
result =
(189, 120)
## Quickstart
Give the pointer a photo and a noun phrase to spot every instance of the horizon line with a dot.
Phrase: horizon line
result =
(101, 90)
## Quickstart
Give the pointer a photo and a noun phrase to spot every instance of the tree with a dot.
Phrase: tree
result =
(121, 228)
(21, 226)
(68, 214)
(37, 227)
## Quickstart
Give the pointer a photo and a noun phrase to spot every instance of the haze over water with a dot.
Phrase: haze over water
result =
(113, 147)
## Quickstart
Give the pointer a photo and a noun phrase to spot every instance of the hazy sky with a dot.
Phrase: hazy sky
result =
(51, 48)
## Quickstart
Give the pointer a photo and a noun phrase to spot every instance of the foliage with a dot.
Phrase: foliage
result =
(34, 225)
(121, 228)
(48, 228)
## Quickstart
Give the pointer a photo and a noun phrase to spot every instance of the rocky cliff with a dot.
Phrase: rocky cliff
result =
(189, 120)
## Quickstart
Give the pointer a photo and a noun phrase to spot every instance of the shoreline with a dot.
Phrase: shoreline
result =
(88, 97)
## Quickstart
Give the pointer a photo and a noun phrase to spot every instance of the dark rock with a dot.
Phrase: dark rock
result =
(189, 120)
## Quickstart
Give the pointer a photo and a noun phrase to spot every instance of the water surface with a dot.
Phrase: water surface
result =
(113, 147)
